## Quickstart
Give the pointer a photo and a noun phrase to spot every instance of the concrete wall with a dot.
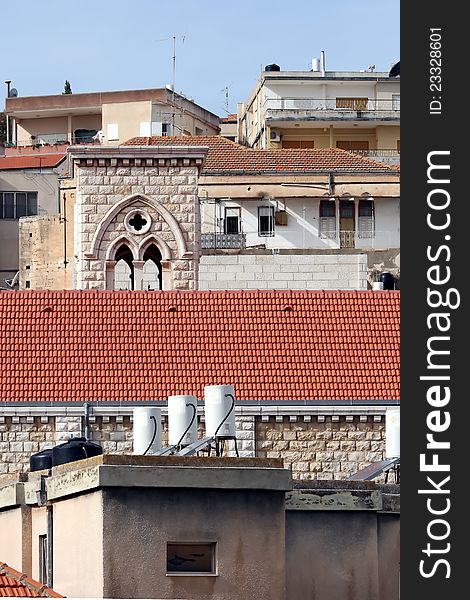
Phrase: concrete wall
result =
(46, 247)
(78, 547)
(46, 185)
(250, 559)
(334, 554)
(15, 538)
(283, 271)
(38, 528)
(128, 116)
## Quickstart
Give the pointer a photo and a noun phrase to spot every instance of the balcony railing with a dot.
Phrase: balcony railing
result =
(355, 105)
(52, 139)
(223, 241)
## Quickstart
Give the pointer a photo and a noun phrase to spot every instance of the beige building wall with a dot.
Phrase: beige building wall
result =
(388, 137)
(127, 116)
(38, 528)
(78, 547)
(15, 538)
(28, 127)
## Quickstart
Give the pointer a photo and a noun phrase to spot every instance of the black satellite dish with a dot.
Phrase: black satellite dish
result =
(395, 70)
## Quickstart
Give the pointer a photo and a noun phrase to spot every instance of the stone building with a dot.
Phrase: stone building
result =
(252, 219)
(314, 372)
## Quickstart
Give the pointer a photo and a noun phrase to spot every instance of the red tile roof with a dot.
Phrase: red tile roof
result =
(227, 156)
(271, 345)
(18, 585)
(232, 118)
(31, 162)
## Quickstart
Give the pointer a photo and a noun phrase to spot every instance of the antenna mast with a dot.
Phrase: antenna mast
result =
(173, 85)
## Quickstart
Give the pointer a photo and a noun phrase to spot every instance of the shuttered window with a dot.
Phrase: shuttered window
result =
(327, 219)
(366, 223)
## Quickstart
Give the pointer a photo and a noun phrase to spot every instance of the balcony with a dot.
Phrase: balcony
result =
(389, 156)
(362, 239)
(223, 241)
(332, 109)
(51, 139)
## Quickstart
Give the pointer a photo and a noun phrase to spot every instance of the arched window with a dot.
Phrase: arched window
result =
(152, 270)
(124, 269)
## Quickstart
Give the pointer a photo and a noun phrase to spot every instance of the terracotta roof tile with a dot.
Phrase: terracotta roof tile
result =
(232, 118)
(271, 345)
(227, 156)
(18, 585)
(31, 162)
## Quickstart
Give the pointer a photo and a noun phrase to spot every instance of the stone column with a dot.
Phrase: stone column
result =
(138, 274)
(110, 284)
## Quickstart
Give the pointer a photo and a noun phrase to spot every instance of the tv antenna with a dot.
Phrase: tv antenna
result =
(173, 102)
(226, 90)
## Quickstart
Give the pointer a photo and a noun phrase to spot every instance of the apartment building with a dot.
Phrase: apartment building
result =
(106, 117)
(358, 111)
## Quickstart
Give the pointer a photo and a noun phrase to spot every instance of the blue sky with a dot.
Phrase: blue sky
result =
(101, 45)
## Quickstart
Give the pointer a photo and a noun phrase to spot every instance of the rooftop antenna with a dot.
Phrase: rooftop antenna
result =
(227, 103)
(173, 102)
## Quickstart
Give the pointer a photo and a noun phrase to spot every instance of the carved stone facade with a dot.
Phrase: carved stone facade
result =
(134, 208)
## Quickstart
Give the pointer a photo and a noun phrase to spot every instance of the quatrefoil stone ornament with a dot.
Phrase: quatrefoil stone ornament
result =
(137, 222)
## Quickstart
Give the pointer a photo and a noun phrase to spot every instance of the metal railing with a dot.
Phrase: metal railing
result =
(52, 139)
(334, 104)
(234, 241)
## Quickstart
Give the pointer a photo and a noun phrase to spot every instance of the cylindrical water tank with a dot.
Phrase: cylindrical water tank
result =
(315, 64)
(217, 405)
(147, 429)
(377, 285)
(272, 67)
(388, 280)
(392, 433)
(181, 410)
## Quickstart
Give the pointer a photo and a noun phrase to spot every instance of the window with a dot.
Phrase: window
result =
(327, 219)
(232, 220)
(366, 219)
(14, 205)
(298, 143)
(266, 221)
(42, 559)
(113, 131)
(187, 558)
(353, 145)
(395, 101)
(352, 103)
(199, 131)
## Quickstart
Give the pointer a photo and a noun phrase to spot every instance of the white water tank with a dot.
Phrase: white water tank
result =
(147, 429)
(378, 285)
(217, 404)
(181, 410)
(392, 433)
(315, 65)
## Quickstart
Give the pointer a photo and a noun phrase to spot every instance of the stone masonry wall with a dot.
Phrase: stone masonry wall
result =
(22, 436)
(316, 447)
(322, 447)
(283, 271)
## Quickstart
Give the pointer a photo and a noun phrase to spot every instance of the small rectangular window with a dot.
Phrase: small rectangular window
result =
(266, 221)
(42, 557)
(187, 558)
(352, 103)
(8, 205)
(32, 206)
(21, 205)
(113, 131)
(144, 129)
(232, 220)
